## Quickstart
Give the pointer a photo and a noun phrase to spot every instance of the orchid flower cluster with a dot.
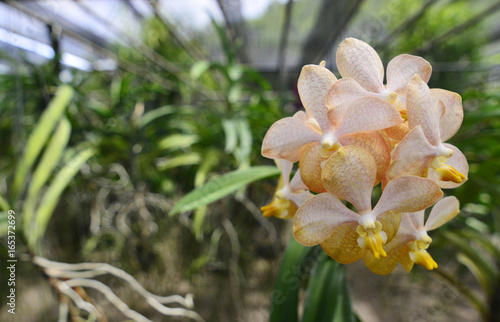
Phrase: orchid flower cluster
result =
(356, 133)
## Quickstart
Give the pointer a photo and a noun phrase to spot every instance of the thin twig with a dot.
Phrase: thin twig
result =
(284, 44)
(233, 264)
(405, 25)
(339, 29)
(428, 46)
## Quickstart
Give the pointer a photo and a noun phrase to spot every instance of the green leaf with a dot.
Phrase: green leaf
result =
(53, 193)
(285, 296)
(199, 68)
(178, 161)
(177, 141)
(210, 160)
(222, 186)
(39, 136)
(4, 205)
(150, 116)
(245, 146)
(230, 133)
(3, 223)
(50, 159)
(327, 294)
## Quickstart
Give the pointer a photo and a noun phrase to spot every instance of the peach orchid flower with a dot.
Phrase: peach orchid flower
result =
(345, 235)
(289, 195)
(410, 243)
(363, 77)
(314, 136)
(422, 152)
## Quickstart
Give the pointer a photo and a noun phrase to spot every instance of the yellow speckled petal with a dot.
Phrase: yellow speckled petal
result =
(375, 143)
(442, 212)
(340, 97)
(285, 138)
(394, 249)
(402, 68)
(405, 259)
(314, 83)
(390, 223)
(422, 110)
(358, 60)
(398, 132)
(408, 194)
(319, 217)
(343, 246)
(310, 167)
(350, 174)
(411, 156)
(369, 114)
(454, 113)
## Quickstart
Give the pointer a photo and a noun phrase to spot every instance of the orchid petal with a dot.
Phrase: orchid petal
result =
(398, 132)
(401, 69)
(369, 114)
(411, 156)
(358, 60)
(314, 83)
(375, 143)
(454, 113)
(415, 219)
(390, 223)
(405, 259)
(297, 184)
(343, 246)
(300, 198)
(385, 265)
(310, 165)
(340, 97)
(442, 212)
(422, 110)
(411, 222)
(408, 194)
(285, 138)
(350, 174)
(457, 161)
(285, 168)
(318, 217)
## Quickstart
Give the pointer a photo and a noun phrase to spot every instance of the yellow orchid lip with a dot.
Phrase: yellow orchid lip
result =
(419, 255)
(280, 208)
(372, 239)
(446, 172)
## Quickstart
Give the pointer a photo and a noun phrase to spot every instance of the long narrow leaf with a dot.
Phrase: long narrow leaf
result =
(4, 223)
(285, 297)
(177, 141)
(39, 136)
(48, 163)
(53, 193)
(327, 294)
(222, 186)
(4, 205)
(162, 111)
